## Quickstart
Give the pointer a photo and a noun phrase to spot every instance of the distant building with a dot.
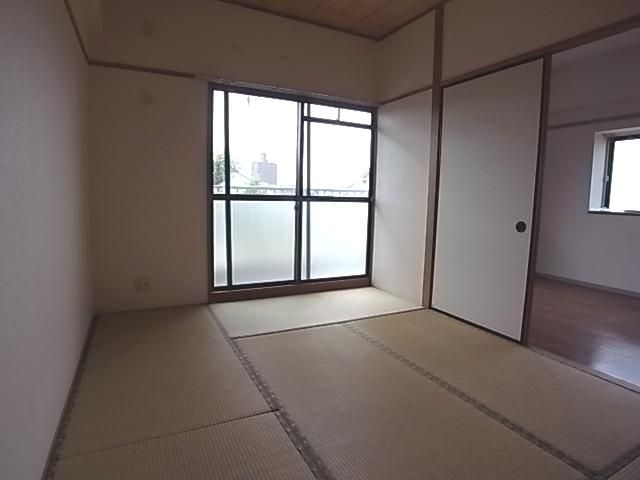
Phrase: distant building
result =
(264, 171)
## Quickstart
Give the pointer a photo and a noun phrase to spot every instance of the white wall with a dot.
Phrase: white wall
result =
(220, 40)
(480, 33)
(216, 40)
(595, 87)
(401, 196)
(597, 249)
(148, 161)
(148, 178)
(45, 279)
(476, 34)
(87, 15)
(405, 59)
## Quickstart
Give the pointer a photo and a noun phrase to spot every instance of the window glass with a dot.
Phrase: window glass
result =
(262, 240)
(218, 142)
(355, 116)
(328, 113)
(339, 163)
(625, 176)
(263, 139)
(219, 244)
(338, 239)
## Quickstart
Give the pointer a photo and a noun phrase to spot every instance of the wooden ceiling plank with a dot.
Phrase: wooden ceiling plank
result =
(374, 19)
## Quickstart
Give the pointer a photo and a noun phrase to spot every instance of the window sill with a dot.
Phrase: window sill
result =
(238, 293)
(631, 213)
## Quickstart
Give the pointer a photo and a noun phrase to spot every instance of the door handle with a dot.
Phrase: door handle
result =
(521, 226)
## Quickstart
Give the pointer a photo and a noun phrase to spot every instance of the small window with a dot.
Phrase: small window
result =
(622, 175)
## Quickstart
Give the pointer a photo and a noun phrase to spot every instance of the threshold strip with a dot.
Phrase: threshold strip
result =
(306, 451)
(493, 414)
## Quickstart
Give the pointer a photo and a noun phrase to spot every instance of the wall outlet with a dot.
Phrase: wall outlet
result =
(141, 284)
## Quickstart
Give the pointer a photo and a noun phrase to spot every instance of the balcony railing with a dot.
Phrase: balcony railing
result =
(290, 191)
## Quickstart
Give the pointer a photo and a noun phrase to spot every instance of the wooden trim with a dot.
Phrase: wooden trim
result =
(591, 121)
(588, 370)
(414, 19)
(542, 129)
(594, 286)
(545, 54)
(581, 39)
(599, 33)
(433, 179)
(282, 290)
(551, 49)
(474, 325)
(74, 23)
(137, 68)
(406, 95)
(494, 68)
(52, 458)
(537, 197)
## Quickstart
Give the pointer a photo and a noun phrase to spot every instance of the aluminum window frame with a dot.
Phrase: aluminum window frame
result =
(301, 197)
(608, 171)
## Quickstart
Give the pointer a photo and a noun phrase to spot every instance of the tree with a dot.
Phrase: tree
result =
(218, 168)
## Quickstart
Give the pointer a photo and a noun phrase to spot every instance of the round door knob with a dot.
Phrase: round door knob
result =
(521, 226)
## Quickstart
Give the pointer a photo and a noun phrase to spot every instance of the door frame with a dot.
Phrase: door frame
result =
(542, 128)
(297, 284)
(439, 84)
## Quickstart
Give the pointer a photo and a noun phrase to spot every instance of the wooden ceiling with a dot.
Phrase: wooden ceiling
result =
(374, 19)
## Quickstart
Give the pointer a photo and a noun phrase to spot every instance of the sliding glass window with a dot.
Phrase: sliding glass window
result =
(291, 189)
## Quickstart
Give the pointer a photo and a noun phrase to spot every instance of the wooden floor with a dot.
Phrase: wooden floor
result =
(592, 327)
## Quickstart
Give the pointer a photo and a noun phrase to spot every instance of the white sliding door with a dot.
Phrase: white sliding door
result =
(487, 179)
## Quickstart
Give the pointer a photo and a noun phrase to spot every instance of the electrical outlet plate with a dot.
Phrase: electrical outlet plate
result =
(141, 284)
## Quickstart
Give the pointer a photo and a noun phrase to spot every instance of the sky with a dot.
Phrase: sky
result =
(625, 178)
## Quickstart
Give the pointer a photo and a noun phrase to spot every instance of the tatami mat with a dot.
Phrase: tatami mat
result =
(255, 317)
(416, 395)
(631, 472)
(153, 373)
(252, 448)
(592, 420)
(370, 417)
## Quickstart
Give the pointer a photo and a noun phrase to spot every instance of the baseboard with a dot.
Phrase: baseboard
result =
(48, 470)
(595, 286)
